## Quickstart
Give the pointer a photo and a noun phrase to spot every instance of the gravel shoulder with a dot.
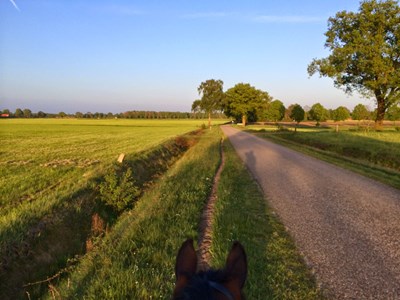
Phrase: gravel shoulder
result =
(346, 226)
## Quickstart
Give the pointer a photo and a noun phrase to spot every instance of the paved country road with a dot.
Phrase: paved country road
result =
(346, 226)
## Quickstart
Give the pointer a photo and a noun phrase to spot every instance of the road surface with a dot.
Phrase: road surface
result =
(346, 226)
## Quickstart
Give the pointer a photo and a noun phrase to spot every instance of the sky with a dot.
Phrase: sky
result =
(119, 55)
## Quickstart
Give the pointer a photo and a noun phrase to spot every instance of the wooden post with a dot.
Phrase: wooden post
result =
(121, 158)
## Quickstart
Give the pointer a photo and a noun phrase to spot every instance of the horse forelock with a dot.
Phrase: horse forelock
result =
(199, 287)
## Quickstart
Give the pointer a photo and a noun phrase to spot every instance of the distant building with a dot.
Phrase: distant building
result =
(5, 115)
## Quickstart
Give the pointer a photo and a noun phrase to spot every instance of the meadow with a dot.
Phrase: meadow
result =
(46, 168)
(375, 154)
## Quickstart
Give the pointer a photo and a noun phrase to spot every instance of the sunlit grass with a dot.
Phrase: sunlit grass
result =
(43, 162)
(276, 269)
(372, 153)
(136, 260)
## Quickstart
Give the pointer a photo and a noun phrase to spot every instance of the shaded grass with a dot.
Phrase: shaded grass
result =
(136, 259)
(276, 269)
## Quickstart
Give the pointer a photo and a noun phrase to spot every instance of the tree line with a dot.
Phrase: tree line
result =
(134, 114)
(245, 103)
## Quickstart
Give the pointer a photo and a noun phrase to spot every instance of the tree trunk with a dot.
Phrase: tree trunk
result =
(244, 120)
(380, 112)
(209, 120)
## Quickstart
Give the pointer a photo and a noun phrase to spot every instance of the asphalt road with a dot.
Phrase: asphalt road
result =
(346, 226)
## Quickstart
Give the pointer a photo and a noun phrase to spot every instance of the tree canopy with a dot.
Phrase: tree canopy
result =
(365, 53)
(340, 114)
(275, 111)
(243, 101)
(212, 96)
(318, 113)
(360, 112)
(297, 114)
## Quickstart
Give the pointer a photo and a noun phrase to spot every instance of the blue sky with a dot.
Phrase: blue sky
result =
(97, 55)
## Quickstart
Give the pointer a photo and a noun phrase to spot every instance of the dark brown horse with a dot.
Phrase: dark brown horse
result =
(225, 284)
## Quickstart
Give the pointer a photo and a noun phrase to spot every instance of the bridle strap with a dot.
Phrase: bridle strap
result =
(220, 288)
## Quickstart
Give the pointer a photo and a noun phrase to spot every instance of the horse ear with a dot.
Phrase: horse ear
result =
(236, 265)
(186, 264)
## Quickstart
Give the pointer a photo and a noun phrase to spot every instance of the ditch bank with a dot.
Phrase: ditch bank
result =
(57, 241)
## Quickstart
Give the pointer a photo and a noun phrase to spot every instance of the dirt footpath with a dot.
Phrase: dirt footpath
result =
(346, 226)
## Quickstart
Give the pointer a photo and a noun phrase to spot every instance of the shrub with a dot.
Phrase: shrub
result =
(118, 190)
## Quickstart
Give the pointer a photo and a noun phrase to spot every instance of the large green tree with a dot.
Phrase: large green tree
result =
(318, 113)
(365, 53)
(212, 97)
(340, 114)
(297, 114)
(360, 112)
(275, 111)
(243, 101)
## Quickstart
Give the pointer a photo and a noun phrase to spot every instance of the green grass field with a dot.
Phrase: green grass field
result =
(46, 167)
(373, 153)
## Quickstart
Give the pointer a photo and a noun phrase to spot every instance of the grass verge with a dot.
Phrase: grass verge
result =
(276, 269)
(136, 259)
(374, 155)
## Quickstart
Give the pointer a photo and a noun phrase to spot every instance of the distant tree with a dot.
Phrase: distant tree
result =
(288, 112)
(41, 114)
(27, 113)
(212, 97)
(393, 113)
(365, 53)
(196, 106)
(275, 111)
(297, 114)
(318, 113)
(78, 115)
(340, 114)
(110, 115)
(62, 114)
(18, 113)
(360, 112)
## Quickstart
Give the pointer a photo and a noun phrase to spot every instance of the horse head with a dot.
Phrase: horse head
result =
(224, 284)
